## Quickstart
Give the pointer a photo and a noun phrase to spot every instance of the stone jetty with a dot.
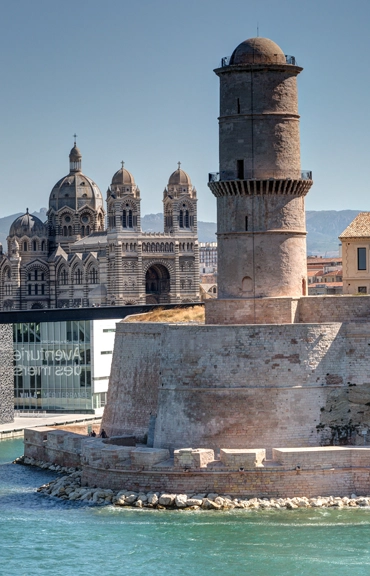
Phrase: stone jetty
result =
(68, 487)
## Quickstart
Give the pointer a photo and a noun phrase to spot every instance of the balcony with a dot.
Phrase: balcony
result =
(258, 59)
(251, 175)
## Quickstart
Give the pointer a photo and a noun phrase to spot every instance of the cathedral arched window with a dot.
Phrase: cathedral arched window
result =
(181, 219)
(29, 289)
(63, 277)
(130, 218)
(82, 230)
(77, 276)
(69, 230)
(186, 218)
(65, 231)
(42, 289)
(124, 219)
(36, 289)
(43, 245)
(93, 275)
(34, 245)
(25, 246)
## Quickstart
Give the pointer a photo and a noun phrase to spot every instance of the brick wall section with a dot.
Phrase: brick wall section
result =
(307, 309)
(247, 386)
(6, 374)
(235, 386)
(325, 457)
(231, 386)
(252, 311)
(334, 309)
(134, 379)
(263, 482)
(330, 470)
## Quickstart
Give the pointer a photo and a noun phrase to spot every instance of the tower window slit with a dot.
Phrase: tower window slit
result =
(246, 223)
(240, 169)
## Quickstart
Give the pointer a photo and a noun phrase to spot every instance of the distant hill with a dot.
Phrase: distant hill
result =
(154, 223)
(323, 227)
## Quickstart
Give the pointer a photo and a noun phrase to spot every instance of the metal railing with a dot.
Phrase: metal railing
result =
(260, 59)
(253, 175)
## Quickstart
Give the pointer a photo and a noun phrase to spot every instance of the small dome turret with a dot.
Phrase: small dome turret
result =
(27, 225)
(257, 51)
(123, 176)
(179, 178)
(75, 158)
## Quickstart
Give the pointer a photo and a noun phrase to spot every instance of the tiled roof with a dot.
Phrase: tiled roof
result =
(359, 227)
(334, 273)
(325, 284)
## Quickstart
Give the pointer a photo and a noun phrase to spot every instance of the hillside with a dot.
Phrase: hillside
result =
(323, 227)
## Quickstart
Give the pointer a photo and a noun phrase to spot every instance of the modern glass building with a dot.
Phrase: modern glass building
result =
(63, 366)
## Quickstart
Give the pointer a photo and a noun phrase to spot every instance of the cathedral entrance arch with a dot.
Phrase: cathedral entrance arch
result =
(157, 284)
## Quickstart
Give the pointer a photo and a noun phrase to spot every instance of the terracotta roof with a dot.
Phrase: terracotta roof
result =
(359, 227)
(334, 273)
(322, 261)
(325, 284)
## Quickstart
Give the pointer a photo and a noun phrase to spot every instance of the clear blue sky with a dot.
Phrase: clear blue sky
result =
(134, 79)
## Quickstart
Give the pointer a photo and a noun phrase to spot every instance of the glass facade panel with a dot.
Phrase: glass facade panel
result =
(52, 366)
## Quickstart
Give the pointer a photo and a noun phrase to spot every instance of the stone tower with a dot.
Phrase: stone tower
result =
(260, 188)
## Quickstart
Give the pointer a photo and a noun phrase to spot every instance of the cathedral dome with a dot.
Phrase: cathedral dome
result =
(75, 190)
(27, 225)
(257, 51)
(122, 176)
(179, 178)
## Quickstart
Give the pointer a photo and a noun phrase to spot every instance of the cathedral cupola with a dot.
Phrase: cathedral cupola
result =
(123, 183)
(123, 202)
(179, 203)
(75, 158)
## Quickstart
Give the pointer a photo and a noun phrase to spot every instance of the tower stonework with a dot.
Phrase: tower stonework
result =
(260, 188)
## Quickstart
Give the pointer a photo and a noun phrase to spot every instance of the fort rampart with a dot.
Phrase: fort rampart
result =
(292, 472)
(241, 386)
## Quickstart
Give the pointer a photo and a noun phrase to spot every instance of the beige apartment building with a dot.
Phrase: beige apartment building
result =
(355, 253)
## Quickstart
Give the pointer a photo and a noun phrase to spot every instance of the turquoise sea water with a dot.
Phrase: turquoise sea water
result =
(43, 536)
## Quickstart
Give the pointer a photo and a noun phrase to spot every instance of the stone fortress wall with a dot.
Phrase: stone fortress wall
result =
(240, 386)
(307, 309)
(291, 471)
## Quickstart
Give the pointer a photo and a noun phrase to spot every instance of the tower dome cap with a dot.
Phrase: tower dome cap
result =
(27, 225)
(179, 178)
(257, 51)
(122, 176)
(75, 153)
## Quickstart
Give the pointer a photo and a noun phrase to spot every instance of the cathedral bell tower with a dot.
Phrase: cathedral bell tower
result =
(260, 188)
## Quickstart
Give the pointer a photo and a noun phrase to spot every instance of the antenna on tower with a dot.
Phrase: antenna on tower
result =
(258, 31)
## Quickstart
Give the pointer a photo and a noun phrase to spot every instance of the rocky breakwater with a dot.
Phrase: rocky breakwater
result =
(69, 488)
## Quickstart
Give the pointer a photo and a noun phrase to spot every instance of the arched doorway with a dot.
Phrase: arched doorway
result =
(157, 284)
